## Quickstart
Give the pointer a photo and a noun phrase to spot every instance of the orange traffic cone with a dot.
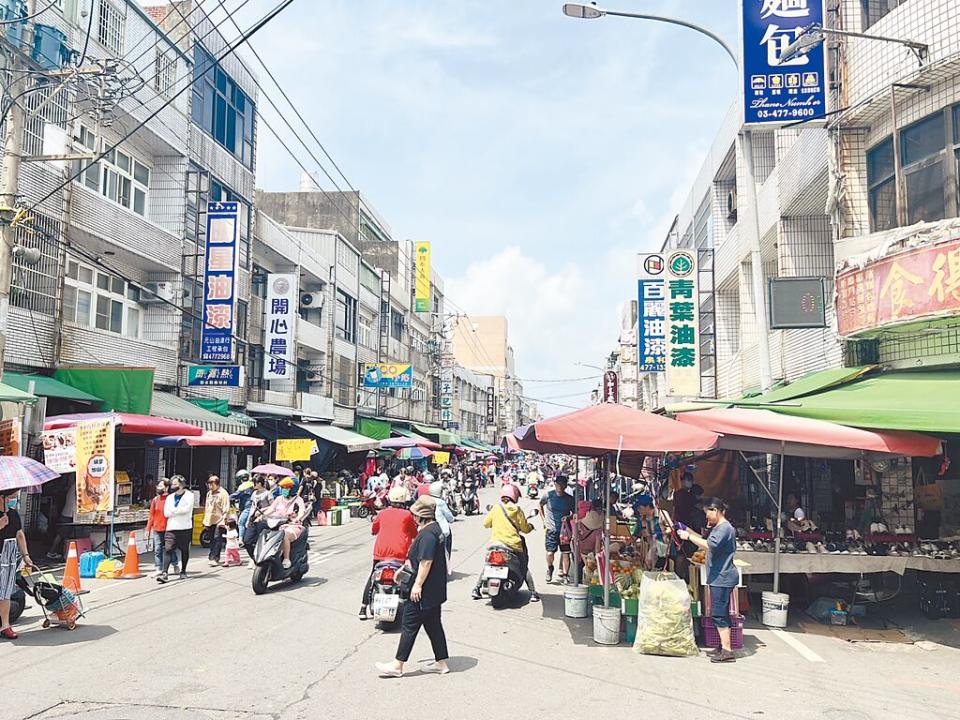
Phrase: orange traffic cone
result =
(131, 564)
(71, 573)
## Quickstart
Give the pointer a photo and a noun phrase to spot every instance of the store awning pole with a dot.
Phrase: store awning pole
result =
(776, 540)
(606, 534)
(576, 525)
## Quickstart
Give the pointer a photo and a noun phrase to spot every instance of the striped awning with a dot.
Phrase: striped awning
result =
(173, 407)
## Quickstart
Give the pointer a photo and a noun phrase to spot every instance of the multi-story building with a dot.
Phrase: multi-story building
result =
(832, 197)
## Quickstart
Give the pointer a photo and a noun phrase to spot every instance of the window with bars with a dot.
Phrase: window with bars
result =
(43, 108)
(874, 10)
(96, 299)
(35, 287)
(110, 27)
(344, 381)
(164, 72)
(930, 166)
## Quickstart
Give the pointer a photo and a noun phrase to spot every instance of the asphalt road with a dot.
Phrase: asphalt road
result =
(207, 648)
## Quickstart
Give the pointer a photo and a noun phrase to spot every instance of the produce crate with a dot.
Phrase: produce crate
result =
(630, 607)
(712, 638)
(630, 633)
(336, 516)
(596, 596)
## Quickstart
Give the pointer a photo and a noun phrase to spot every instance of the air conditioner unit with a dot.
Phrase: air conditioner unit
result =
(157, 292)
(311, 300)
(732, 204)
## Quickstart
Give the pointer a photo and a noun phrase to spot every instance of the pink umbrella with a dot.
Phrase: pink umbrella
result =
(271, 469)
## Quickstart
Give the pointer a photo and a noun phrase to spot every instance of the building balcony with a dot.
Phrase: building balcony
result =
(312, 336)
(83, 345)
(107, 226)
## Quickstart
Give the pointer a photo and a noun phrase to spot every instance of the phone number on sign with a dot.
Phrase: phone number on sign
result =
(786, 113)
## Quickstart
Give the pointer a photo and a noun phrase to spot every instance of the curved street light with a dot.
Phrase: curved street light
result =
(591, 12)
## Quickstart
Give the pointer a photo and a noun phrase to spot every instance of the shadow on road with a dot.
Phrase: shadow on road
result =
(55, 636)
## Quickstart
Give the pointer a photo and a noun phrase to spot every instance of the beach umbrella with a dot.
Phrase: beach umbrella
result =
(18, 472)
(414, 453)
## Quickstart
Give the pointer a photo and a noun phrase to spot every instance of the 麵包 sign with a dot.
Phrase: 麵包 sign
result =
(651, 313)
(280, 326)
(920, 284)
(387, 375)
(219, 283)
(780, 88)
(682, 324)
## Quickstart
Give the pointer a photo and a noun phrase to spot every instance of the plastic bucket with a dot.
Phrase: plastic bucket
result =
(775, 606)
(575, 602)
(606, 625)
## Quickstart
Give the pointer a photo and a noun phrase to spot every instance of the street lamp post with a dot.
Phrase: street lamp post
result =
(591, 12)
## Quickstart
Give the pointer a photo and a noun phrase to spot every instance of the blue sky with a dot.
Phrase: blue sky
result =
(537, 153)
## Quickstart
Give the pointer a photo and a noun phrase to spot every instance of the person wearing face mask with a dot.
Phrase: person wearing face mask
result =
(13, 546)
(290, 507)
(157, 526)
(684, 500)
(178, 509)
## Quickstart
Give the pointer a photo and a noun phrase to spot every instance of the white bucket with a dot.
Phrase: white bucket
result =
(775, 607)
(606, 625)
(575, 601)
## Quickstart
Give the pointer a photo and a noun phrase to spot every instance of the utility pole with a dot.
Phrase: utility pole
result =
(10, 182)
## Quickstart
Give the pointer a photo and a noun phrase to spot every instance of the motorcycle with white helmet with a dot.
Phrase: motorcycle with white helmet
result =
(381, 596)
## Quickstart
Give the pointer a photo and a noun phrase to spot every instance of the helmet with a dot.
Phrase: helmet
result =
(511, 492)
(428, 478)
(446, 472)
(398, 495)
(436, 489)
(242, 475)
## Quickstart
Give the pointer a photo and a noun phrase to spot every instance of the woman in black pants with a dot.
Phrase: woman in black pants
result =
(178, 510)
(428, 561)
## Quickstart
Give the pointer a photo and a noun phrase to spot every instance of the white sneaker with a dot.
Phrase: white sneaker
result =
(287, 564)
(212, 563)
(250, 565)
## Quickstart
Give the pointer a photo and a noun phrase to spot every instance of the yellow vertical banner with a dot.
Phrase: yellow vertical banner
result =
(422, 257)
(95, 466)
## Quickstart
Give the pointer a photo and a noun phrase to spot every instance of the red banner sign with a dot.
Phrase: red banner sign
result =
(914, 285)
(611, 387)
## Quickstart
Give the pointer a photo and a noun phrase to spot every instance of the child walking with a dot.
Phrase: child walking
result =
(232, 557)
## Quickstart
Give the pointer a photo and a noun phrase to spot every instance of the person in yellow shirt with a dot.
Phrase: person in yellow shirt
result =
(507, 525)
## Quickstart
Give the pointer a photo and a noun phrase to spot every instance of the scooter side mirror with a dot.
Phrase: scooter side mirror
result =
(489, 508)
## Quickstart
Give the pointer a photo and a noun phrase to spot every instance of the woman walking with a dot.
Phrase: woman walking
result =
(157, 526)
(178, 509)
(13, 546)
(428, 561)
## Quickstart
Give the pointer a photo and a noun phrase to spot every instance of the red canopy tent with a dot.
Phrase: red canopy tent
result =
(511, 442)
(766, 431)
(127, 423)
(209, 438)
(598, 429)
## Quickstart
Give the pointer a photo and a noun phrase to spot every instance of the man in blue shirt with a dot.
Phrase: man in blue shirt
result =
(722, 574)
(554, 507)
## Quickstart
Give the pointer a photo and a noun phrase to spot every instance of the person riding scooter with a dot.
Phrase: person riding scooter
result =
(291, 507)
(508, 525)
(395, 528)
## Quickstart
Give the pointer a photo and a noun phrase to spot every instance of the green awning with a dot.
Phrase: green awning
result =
(807, 385)
(444, 437)
(48, 387)
(923, 401)
(472, 444)
(376, 429)
(123, 389)
(174, 407)
(8, 393)
(404, 432)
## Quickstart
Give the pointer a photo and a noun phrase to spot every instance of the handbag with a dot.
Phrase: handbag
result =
(404, 578)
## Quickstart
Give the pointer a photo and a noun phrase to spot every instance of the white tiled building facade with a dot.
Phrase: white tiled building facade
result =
(822, 192)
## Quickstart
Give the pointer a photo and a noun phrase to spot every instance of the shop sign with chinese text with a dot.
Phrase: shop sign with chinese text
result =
(651, 313)
(920, 284)
(611, 387)
(387, 375)
(280, 327)
(422, 285)
(215, 376)
(219, 283)
(682, 324)
(777, 89)
(95, 466)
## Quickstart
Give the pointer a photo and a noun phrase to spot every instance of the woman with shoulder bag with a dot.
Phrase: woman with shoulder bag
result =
(427, 561)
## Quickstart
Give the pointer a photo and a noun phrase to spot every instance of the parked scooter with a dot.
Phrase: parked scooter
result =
(268, 557)
(386, 605)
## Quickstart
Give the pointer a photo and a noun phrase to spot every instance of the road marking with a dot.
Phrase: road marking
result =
(805, 652)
